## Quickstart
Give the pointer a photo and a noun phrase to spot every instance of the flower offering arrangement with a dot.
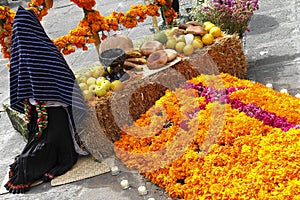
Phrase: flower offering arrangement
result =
(6, 20)
(90, 26)
(218, 137)
(231, 15)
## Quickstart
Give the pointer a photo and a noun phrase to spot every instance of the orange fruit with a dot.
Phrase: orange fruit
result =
(208, 39)
(215, 31)
(209, 26)
(206, 23)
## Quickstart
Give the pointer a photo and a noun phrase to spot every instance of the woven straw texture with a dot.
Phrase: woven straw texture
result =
(86, 167)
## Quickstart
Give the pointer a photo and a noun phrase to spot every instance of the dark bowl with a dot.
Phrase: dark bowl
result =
(112, 57)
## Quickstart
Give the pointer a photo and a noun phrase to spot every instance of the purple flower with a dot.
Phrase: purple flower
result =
(236, 104)
(279, 122)
(231, 15)
(297, 126)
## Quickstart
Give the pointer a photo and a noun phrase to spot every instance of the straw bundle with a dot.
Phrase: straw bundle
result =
(227, 55)
(139, 94)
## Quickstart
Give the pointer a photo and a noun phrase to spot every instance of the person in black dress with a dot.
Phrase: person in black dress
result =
(44, 88)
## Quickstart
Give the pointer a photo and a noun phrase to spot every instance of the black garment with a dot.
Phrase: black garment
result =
(43, 158)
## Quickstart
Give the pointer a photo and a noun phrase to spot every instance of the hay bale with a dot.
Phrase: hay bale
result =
(227, 55)
(94, 140)
(140, 93)
(137, 96)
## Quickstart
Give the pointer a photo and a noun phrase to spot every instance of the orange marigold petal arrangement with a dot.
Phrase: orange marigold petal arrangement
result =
(89, 27)
(224, 142)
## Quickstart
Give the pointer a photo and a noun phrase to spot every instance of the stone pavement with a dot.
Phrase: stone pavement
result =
(273, 45)
(272, 49)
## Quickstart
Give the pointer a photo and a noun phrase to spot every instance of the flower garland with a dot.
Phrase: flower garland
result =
(42, 118)
(242, 156)
(38, 7)
(6, 21)
(92, 23)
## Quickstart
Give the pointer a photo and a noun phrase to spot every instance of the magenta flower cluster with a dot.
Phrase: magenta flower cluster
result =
(222, 96)
(233, 16)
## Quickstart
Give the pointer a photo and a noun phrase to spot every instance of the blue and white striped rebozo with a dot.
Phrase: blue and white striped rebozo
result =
(37, 69)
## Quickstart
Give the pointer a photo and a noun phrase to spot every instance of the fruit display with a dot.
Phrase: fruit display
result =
(93, 83)
(188, 37)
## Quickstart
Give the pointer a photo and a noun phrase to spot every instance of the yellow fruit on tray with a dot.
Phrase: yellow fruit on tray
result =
(209, 26)
(91, 81)
(206, 23)
(83, 86)
(100, 91)
(116, 85)
(171, 43)
(106, 84)
(179, 46)
(99, 80)
(180, 38)
(197, 37)
(188, 50)
(215, 31)
(196, 43)
(208, 39)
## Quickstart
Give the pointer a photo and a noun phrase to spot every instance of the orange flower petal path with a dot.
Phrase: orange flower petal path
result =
(247, 160)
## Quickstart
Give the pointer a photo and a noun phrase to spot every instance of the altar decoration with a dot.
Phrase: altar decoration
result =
(92, 24)
(6, 19)
(233, 16)
(218, 137)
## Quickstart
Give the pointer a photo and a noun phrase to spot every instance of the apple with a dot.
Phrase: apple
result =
(88, 95)
(179, 46)
(83, 86)
(171, 43)
(96, 73)
(82, 79)
(92, 88)
(88, 74)
(116, 85)
(100, 69)
(99, 80)
(91, 81)
(100, 91)
(180, 38)
(106, 84)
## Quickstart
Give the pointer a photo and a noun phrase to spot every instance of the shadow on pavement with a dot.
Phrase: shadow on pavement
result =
(262, 24)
